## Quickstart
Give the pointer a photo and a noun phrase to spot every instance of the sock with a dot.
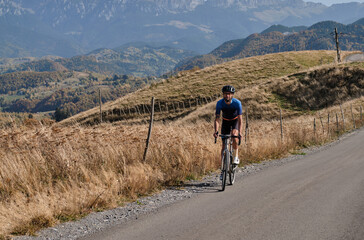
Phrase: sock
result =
(235, 153)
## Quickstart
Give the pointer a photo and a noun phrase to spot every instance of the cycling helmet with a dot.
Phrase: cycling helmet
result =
(228, 88)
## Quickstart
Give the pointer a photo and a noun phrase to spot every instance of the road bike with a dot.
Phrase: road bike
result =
(227, 166)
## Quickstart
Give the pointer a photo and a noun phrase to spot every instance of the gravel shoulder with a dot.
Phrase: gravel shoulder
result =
(96, 222)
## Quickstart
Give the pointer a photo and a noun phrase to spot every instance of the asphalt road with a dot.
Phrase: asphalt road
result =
(320, 196)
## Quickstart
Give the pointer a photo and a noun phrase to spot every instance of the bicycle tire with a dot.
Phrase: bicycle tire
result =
(224, 170)
(231, 172)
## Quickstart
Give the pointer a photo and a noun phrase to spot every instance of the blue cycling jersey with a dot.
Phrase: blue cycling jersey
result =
(229, 111)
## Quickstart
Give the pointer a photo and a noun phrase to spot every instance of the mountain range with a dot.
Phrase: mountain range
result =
(279, 38)
(67, 28)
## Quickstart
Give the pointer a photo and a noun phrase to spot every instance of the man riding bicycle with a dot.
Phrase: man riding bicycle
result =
(231, 118)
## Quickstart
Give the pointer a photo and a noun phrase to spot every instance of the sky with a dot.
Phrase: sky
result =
(330, 2)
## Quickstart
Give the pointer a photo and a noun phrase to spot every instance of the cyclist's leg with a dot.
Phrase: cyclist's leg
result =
(225, 129)
(235, 132)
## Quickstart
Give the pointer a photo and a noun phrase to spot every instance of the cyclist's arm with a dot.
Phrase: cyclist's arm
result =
(240, 123)
(216, 124)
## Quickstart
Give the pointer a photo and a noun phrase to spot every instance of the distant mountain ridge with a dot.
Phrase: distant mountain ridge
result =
(275, 39)
(137, 60)
(68, 28)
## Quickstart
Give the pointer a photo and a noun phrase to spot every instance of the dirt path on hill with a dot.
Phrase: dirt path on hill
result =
(359, 57)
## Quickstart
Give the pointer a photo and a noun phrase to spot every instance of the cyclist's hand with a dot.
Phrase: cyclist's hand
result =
(216, 134)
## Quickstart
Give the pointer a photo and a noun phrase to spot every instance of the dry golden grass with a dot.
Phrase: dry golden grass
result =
(189, 85)
(55, 173)
(61, 173)
(52, 174)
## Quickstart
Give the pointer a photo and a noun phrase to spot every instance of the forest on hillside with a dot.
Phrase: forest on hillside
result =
(67, 92)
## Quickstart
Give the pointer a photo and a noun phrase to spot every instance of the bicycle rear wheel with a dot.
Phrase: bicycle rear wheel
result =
(225, 163)
(231, 171)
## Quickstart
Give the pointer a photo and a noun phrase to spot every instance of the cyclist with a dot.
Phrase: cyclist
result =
(231, 118)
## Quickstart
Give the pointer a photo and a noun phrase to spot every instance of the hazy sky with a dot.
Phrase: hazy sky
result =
(330, 2)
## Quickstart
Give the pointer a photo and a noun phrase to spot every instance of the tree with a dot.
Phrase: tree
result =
(61, 114)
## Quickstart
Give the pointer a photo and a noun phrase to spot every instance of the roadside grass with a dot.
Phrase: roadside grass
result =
(51, 174)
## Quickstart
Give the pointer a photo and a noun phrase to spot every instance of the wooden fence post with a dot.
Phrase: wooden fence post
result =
(100, 101)
(280, 115)
(149, 131)
(342, 114)
(314, 128)
(337, 124)
(328, 124)
(361, 115)
(137, 108)
(246, 124)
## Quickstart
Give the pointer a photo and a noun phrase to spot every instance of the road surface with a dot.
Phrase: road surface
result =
(320, 196)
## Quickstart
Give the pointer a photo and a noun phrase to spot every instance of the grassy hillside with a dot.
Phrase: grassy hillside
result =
(318, 36)
(190, 89)
(61, 172)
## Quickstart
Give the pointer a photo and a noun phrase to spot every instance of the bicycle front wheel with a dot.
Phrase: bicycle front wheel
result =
(231, 172)
(225, 163)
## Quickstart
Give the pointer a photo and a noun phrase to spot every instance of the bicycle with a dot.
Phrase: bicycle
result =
(227, 166)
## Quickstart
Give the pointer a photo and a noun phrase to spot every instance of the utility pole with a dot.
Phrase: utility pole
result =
(337, 46)
(100, 101)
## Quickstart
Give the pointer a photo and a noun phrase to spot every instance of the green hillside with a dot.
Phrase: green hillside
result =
(284, 29)
(69, 92)
(140, 60)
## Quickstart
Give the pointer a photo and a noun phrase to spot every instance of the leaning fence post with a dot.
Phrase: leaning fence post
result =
(174, 108)
(149, 131)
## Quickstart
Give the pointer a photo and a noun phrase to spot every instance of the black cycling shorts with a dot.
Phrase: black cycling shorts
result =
(227, 126)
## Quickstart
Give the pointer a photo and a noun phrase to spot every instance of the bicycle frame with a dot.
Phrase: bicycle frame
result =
(226, 160)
